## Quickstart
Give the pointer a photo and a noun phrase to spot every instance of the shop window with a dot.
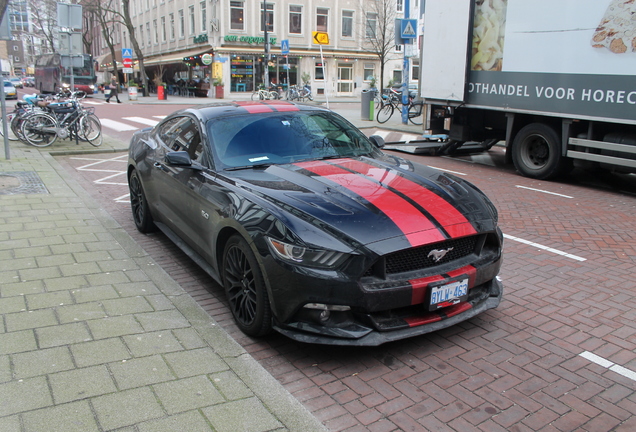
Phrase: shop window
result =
(319, 73)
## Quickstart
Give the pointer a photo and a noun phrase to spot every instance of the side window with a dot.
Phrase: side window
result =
(182, 134)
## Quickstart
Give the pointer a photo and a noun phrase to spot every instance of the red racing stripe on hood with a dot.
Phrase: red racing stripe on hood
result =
(417, 228)
(453, 221)
(258, 107)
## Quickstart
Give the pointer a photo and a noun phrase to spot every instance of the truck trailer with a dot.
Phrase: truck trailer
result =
(554, 79)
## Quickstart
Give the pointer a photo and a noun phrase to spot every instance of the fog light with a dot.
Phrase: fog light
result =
(326, 307)
(324, 316)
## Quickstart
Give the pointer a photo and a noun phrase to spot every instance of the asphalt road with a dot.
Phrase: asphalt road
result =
(559, 354)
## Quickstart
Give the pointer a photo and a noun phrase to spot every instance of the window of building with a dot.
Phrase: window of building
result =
(204, 17)
(154, 26)
(319, 73)
(149, 39)
(399, 48)
(141, 35)
(369, 71)
(322, 19)
(171, 26)
(163, 29)
(192, 22)
(372, 22)
(399, 4)
(295, 19)
(415, 72)
(236, 15)
(397, 76)
(347, 23)
(269, 16)
(181, 24)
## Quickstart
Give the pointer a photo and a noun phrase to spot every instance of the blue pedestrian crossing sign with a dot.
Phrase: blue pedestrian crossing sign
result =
(408, 28)
(284, 46)
(126, 53)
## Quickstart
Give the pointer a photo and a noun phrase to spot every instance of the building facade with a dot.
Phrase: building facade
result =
(174, 35)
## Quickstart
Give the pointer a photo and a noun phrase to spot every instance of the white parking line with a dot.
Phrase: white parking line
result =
(142, 120)
(118, 126)
(543, 191)
(627, 373)
(546, 248)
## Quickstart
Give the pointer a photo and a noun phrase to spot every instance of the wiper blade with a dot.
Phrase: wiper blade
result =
(244, 167)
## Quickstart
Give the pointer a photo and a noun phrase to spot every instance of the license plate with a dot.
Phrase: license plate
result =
(448, 294)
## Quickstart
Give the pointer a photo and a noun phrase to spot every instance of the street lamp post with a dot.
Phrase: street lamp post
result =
(266, 66)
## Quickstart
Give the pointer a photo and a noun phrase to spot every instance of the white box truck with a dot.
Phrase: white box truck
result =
(555, 79)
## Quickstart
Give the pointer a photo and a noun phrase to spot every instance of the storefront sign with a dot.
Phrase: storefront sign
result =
(201, 38)
(258, 40)
(206, 59)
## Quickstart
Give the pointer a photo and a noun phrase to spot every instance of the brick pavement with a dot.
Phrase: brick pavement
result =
(518, 367)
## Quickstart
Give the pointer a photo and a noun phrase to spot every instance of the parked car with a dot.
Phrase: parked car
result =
(16, 81)
(9, 90)
(311, 229)
(28, 82)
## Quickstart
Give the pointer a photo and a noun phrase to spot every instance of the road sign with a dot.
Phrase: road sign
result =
(127, 70)
(408, 28)
(128, 63)
(320, 38)
(126, 53)
(284, 46)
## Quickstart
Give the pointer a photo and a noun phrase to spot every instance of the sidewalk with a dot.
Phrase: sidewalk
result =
(95, 337)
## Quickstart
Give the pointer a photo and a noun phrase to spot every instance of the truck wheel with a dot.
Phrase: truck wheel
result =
(536, 152)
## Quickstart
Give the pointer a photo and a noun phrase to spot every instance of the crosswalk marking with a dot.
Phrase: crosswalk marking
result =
(118, 126)
(142, 120)
(92, 102)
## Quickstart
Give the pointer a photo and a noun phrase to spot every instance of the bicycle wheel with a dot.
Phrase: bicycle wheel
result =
(11, 135)
(39, 130)
(91, 129)
(415, 114)
(256, 96)
(274, 95)
(385, 113)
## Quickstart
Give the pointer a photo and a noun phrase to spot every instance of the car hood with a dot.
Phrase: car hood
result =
(372, 202)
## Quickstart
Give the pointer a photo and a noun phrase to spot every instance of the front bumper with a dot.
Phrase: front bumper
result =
(373, 329)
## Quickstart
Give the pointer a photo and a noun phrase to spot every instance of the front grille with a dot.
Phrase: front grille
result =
(422, 257)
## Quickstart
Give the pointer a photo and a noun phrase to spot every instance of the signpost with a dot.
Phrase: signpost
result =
(322, 38)
(407, 33)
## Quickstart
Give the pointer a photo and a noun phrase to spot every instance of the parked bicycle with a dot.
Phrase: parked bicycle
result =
(65, 119)
(264, 94)
(305, 93)
(392, 100)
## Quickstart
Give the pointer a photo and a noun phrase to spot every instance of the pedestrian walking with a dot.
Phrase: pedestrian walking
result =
(114, 87)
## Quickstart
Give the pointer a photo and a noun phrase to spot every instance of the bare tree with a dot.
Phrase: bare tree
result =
(44, 20)
(378, 30)
(122, 16)
(101, 12)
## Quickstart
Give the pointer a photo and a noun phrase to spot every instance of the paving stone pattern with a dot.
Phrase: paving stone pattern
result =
(95, 336)
(514, 368)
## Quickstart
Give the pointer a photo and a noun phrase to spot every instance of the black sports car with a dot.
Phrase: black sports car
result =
(311, 228)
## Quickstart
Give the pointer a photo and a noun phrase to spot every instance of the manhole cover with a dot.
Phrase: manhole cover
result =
(21, 182)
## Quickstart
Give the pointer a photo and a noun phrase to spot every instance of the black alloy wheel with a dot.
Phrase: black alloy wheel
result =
(245, 288)
(139, 205)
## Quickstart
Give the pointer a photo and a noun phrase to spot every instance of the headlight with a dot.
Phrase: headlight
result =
(308, 257)
(92, 87)
(65, 85)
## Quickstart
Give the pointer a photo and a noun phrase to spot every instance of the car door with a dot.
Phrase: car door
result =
(176, 199)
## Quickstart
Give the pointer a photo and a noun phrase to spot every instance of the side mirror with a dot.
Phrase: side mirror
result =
(377, 140)
(178, 158)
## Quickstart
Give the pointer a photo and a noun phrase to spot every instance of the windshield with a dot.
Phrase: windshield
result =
(243, 141)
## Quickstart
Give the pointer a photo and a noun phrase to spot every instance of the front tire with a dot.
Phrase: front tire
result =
(385, 113)
(536, 152)
(139, 205)
(245, 288)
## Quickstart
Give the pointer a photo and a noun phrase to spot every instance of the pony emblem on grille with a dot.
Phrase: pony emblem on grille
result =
(438, 254)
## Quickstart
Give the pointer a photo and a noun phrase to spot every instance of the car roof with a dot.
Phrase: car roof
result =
(223, 109)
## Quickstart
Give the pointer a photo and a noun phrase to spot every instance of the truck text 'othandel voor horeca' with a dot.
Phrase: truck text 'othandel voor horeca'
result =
(555, 79)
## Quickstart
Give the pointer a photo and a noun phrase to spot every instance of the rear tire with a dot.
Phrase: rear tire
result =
(91, 130)
(536, 152)
(139, 205)
(38, 130)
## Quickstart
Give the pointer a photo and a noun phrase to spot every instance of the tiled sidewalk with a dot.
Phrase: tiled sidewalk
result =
(95, 337)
